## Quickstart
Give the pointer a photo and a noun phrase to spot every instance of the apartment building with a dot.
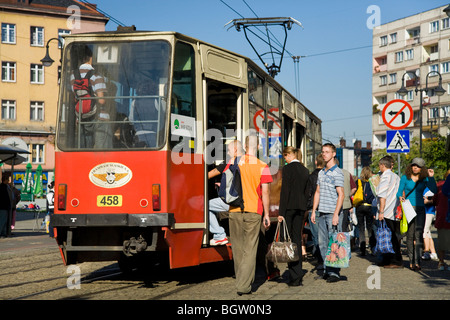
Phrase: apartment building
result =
(412, 48)
(28, 90)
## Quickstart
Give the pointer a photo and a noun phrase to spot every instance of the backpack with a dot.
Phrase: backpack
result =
(230, 190)
(368, 194)
(83, 89)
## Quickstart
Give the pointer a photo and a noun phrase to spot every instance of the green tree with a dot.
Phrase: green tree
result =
(433, 152)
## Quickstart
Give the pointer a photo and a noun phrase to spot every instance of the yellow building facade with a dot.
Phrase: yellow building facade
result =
(29, 90)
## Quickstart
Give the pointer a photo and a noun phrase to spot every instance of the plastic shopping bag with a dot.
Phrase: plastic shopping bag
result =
(338, 253)
(384, 243)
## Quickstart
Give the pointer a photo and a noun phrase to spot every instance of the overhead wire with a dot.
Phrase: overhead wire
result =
(296, 59)
(95, 7)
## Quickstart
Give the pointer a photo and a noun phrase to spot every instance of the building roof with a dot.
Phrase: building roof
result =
(415, 14)
(56, 7)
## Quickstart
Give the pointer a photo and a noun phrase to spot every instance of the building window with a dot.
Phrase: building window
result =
(433, 67)
(383, 41)
(434, 113)
(8, 110)
(445, 111)
(9, 71)
(393, 37)
(445, 67)
(434, 49)
(37, 111)
(410, 95)
(37, 153)
(37, 74)
(399, 56)
(37, 36)
(392, 78)
(434, 26)
(445, 23)
(61, 33)
(383, 80)
(8, 33)
(409, 54)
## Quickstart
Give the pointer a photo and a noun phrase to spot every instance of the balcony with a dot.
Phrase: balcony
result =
(412, 82)
(413, 41)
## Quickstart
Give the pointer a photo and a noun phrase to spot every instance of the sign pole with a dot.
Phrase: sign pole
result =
(399, 166)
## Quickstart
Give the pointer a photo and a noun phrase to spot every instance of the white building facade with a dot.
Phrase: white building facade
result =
(416, 45)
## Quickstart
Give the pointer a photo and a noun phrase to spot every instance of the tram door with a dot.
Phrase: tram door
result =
(222, 124)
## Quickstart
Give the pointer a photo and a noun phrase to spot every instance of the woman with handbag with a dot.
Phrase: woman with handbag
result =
(293, 205)
(364, 212)
(417, 177)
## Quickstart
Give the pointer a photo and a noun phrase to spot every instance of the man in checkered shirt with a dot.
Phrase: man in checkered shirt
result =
(328, 201)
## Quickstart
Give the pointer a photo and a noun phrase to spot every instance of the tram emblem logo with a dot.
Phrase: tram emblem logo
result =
(110, 175)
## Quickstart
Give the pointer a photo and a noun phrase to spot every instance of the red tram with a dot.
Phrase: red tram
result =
(133, 151)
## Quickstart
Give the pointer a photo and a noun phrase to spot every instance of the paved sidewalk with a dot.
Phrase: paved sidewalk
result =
(27, 234)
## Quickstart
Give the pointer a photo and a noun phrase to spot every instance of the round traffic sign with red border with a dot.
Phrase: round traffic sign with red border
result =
(397, 114)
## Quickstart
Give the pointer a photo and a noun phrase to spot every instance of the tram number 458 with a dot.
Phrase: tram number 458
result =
(109, 201)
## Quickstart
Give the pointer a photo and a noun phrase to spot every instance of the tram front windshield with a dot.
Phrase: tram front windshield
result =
(114, 96)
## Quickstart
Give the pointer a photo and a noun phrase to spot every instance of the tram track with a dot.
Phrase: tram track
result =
(87, 279)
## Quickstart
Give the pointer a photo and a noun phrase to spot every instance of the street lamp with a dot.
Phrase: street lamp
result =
(447, 11)
(439, 91)
(47, 61)
(445, 122)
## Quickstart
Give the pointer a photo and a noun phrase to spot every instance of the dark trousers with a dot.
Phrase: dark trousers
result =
(365, 222)
(294, 222)
(396, 257)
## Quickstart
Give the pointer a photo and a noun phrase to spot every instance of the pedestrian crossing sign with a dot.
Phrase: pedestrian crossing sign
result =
(397, 141)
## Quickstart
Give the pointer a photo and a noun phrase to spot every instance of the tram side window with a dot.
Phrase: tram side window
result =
(255, 88)
(256, 109)
(273, 142)
(183, 106)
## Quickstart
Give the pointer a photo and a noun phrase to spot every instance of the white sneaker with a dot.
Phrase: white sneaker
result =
(213, 242)
(434, 257)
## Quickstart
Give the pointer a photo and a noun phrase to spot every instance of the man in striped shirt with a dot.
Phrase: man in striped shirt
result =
(387, 203)
(328, 201)
(96, 129)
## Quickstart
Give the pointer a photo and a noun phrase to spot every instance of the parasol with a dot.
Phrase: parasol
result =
(38, 187)
(27, 185)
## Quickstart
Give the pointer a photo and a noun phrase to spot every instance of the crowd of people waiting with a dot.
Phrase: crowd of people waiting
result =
(325, 199)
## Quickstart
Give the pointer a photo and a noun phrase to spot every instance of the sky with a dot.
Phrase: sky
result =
(333, 77)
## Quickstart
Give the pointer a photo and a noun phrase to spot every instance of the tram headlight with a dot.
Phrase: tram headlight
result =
(156, 197)
(62, 196)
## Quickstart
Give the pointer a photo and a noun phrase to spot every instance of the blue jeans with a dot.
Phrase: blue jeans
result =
(314, 230)
(217, 205)
(324, 222)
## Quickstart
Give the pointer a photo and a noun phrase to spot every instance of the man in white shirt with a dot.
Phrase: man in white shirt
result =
(387, 204)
